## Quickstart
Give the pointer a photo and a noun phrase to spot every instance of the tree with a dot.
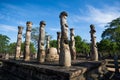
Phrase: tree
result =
(104, 47)
(85, 47)
(32, 48)
(114, 47)
(4, 42)
(11, 48)
(81, 45)
(34, 36)
(112, 32)
(107, 47)
(53, 43)
(78, 41)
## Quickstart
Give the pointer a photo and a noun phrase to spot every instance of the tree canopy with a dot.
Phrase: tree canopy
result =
(4, 42)
(53, 43)
(111, 37)
(112, 31)
(81, 45)
(12, 47)
(34, 36)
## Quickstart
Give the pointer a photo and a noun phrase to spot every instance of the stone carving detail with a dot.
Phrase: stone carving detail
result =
(58, 42)
(64, 56)
(41, 42)
(27, 41)
(47, 43)
(72, 44)
(52, 54)
(94, 50)
(7, 56)
(19, 41)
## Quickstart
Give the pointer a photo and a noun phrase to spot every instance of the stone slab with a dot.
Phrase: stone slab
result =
(49, 71)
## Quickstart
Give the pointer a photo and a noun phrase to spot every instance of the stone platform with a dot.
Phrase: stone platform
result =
(79, 70)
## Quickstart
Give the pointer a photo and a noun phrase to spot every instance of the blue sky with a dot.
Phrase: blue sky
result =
(81, 13)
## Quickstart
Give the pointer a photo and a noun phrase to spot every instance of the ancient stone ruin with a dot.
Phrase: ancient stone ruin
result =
(64, 56)
(47, 43)
(72, 44)
(41, 43)
(52, 63)
(19, 41)
(94, 50)
(51, 53)
(58, 42)
(27, 41)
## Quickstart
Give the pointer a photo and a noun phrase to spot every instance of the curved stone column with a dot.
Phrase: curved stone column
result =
(18, 44)
(64, 56)
(27, 41)
(41, 43)
(47, 42)
(58, 42)
(72, 44)
(94, 50)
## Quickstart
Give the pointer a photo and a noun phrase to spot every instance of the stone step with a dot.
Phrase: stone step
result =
(112, 69)
(111, 60)
(112, 65)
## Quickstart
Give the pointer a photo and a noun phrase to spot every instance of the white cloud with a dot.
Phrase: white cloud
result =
(8, 28)
(98, 16)
(21, 23)
(54, 29)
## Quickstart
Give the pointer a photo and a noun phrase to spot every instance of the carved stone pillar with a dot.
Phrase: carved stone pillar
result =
(58, 42)
(48, 42)
(19, 41)
(94, 50)
(27, 41)
(41, 42)
(64, 56)
(72, 44)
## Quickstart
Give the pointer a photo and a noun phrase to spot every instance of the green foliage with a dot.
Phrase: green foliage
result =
(32, 48)
(78, 41)
(12, 47)
(85, 47)
(4, 42)
(112, 33)
(114, 47)
(104, 45)
(81, 45)
(53, 43)
(107, 47)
